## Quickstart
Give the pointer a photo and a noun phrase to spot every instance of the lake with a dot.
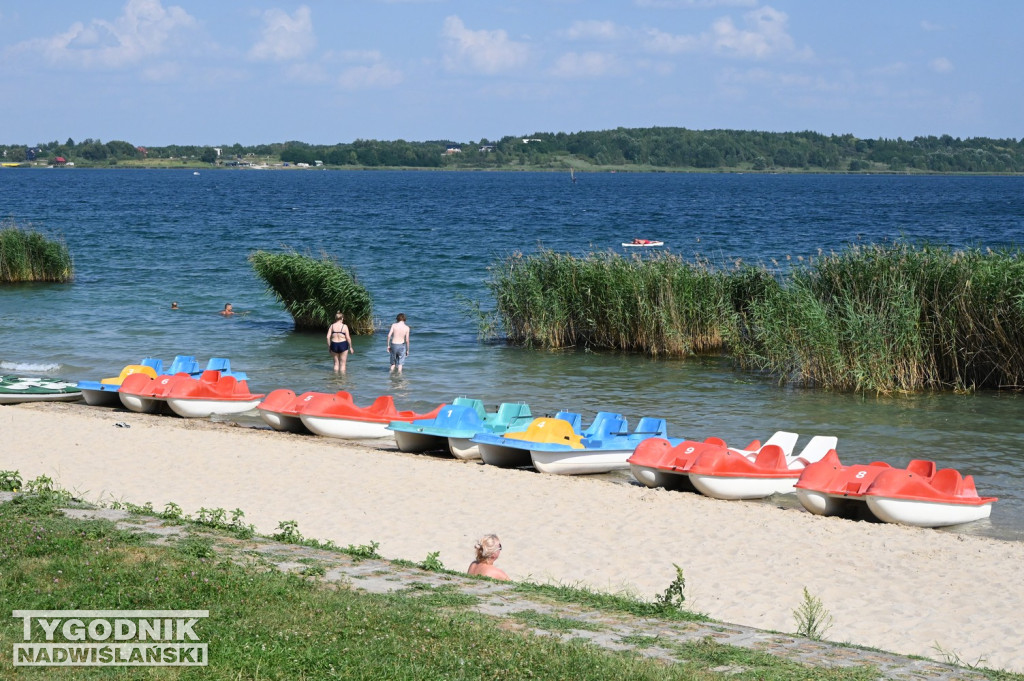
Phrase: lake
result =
(422, 243)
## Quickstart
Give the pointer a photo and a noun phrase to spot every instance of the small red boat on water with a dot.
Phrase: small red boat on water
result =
(917, 495)
(338, 416)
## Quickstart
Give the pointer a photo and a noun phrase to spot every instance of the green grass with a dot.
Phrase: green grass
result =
(270, 625)
(26, 255)
(312, 290)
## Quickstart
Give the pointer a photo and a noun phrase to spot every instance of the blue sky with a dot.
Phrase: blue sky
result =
(157, 72)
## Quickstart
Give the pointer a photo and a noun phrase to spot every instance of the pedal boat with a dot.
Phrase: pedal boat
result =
(608, 450)
(917, 495)
(103, 393)
(338, 416)
(657, 463)
(212, 393)
(512, 449)
(18, 389)
(729, 474)
(280, 410)
(147, 395)
(453, 428)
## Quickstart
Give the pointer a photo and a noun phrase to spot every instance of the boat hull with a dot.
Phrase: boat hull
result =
(463, 448)
(7, 398)
(580, 461)
(416, 443)
(504, 457)
(656, 477)
(285, 423)
(193, 408)
(140, 404)
(346, 429)
(926, 513)
(729, 487)
(101, 398)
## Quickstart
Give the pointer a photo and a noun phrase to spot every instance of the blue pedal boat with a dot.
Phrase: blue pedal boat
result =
(512, 449)
(606, 451)
(103, 393)
(456, 424)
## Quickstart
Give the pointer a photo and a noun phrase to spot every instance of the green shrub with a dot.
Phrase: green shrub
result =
(313, 290)
(27, 255)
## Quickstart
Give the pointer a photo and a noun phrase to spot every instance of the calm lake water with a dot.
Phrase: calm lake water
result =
(422, 242)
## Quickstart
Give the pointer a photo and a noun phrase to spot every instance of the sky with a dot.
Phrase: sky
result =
(217, 72)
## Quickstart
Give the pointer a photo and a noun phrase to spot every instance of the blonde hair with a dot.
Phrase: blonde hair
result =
(487, 547)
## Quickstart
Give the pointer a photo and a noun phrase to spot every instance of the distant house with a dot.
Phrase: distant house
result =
(527, 140)
(59, 161)
(486, 149)
(452, 149)
(142, 150)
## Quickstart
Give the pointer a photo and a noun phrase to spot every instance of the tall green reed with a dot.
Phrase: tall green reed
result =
(312, 290)
(26, 255)
(878, 318)
(657, 305)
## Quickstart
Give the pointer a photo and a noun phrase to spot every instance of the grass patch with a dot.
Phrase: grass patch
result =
(609, 602)
(27, 255)
(540, 620)
(313, 290)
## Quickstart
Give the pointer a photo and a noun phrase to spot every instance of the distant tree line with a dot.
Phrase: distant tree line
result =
(640, 148)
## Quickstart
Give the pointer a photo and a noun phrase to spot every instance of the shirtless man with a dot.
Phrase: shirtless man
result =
(398, 343)
(227, 311)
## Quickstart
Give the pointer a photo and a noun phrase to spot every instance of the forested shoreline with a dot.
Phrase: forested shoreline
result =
(642, 149)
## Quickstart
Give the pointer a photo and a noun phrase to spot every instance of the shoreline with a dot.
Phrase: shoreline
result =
(906, 590)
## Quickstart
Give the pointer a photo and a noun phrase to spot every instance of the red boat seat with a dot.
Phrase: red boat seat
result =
(771, 457)
(385, 404)
(926, 469)
(716, 441)
(948, 481)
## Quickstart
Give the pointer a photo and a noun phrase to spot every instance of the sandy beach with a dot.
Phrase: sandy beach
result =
(906, 590)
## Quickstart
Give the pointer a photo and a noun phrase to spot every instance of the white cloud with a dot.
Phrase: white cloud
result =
(666, 43)
(377, 75)
(481, 51)
(940, 65)
(144, 29)
(285, 37)
(601, 30)
(586, 65)
(764, 34)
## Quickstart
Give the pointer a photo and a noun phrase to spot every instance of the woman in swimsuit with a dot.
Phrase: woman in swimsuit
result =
(487, 551)
(339, 342)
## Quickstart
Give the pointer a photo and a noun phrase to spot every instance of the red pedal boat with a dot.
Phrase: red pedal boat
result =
(338, 416)
(917, 495)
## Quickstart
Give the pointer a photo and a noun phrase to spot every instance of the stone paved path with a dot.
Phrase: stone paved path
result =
(647, 636)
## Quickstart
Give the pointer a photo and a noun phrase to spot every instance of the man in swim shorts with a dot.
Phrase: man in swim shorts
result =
(398, 343)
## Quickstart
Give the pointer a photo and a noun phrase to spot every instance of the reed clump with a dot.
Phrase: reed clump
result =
(312, 290)
(895, 317)
(880, 318)
(657, 305)
(26, 255)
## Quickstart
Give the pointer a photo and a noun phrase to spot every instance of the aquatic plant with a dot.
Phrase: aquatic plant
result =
(658, 304)
(27, 255)
(891, 318)
(880, 318)
(312, 290)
